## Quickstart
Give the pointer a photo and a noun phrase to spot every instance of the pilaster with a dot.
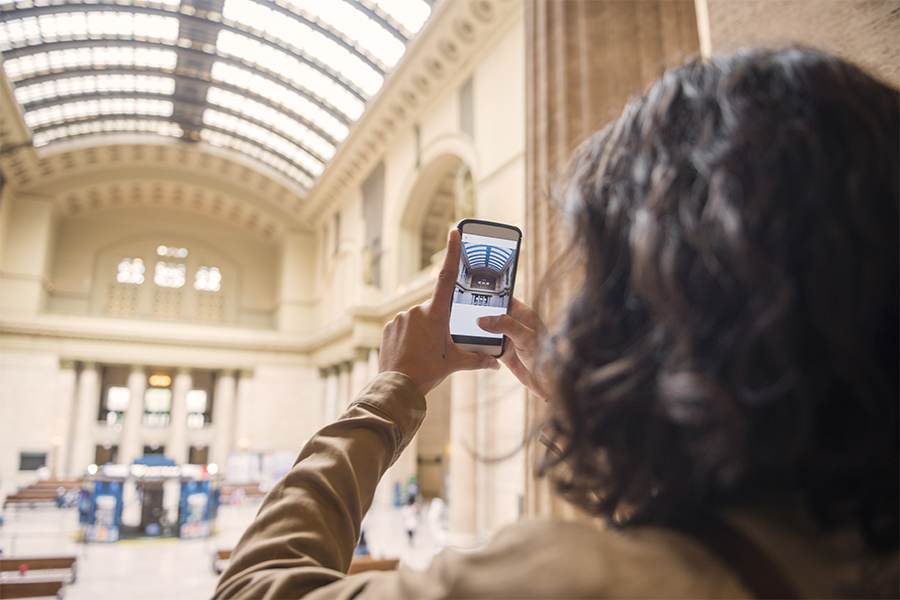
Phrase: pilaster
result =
(584, 59)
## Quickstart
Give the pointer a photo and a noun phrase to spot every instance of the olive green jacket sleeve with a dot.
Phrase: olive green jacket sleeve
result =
(308, 525)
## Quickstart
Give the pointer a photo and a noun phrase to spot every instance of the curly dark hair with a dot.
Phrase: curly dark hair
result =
(734, 337)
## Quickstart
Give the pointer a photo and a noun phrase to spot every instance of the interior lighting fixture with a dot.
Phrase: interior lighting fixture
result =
(160, 380)
(92, 469)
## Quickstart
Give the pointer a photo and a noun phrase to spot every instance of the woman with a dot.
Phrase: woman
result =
(723, 388)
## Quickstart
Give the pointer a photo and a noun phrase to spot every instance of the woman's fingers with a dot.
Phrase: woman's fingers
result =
(523, 313)
(520, 372)
(523, 337)
(443, 289)
(521, 355)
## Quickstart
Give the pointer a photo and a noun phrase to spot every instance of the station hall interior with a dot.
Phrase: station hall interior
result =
(209, 209)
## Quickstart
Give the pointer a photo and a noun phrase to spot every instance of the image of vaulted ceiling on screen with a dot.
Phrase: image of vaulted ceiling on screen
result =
(485, 271)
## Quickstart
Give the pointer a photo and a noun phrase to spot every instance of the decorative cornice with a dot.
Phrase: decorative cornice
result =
(170, 194)
(456, 32)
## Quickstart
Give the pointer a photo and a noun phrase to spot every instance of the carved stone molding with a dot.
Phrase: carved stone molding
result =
(170, 194)
(456, 32)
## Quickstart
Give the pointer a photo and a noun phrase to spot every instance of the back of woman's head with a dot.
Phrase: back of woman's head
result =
(734, 339)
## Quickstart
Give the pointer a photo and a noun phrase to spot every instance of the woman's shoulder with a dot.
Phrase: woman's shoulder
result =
(547, 558)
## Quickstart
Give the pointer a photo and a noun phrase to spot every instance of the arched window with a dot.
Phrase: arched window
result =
(183, 281)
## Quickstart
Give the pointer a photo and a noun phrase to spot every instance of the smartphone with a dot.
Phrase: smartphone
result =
(485, 284)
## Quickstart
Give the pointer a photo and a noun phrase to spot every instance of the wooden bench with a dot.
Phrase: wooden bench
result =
(359, 564)
(40, 565)
(32, 587)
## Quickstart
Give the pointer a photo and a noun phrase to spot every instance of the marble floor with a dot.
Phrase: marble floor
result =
(174, 569)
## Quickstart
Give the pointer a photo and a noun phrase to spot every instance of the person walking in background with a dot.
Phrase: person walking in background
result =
(722, 387)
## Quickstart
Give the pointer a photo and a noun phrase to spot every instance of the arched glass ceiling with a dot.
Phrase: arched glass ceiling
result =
(480, 256)
(282, 81)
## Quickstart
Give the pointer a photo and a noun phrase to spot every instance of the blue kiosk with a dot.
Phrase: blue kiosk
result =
(151, 498)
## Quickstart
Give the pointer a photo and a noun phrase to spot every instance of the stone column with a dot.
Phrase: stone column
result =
(463, 492)
(65, 423)
(132, 446)
(331, 395)
(28, 252)
(359, 374)
(373, 363)
(243, 404)
(177, 447)
(584, 59)
(223, 419)
(295, 302)
(344, 393)
(87, 410)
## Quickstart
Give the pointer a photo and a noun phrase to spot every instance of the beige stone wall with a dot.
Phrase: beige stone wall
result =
(283, 410)
(81, 238)
(865, 32)
(31, 411)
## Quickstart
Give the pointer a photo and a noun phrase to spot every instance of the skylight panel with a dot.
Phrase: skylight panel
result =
(282, 63)
(92, 108)
(282, 96)
(277, 120)
(82, 58)
(220, 139)
(343, 17)
(44, 137)
(412, 14)
(310, 41)
(265, 137)
(56, 27)
(71, 86)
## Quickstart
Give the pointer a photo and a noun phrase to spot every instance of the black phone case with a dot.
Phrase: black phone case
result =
(512, 285)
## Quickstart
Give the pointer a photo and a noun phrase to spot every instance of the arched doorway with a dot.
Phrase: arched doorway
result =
(443, 194)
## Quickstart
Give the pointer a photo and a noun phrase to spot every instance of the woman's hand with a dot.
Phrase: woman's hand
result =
(520, 357)
(417, 342)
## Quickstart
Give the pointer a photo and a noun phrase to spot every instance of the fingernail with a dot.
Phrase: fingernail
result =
(485, 321)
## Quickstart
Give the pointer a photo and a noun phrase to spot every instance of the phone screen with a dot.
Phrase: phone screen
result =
(487, 267)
